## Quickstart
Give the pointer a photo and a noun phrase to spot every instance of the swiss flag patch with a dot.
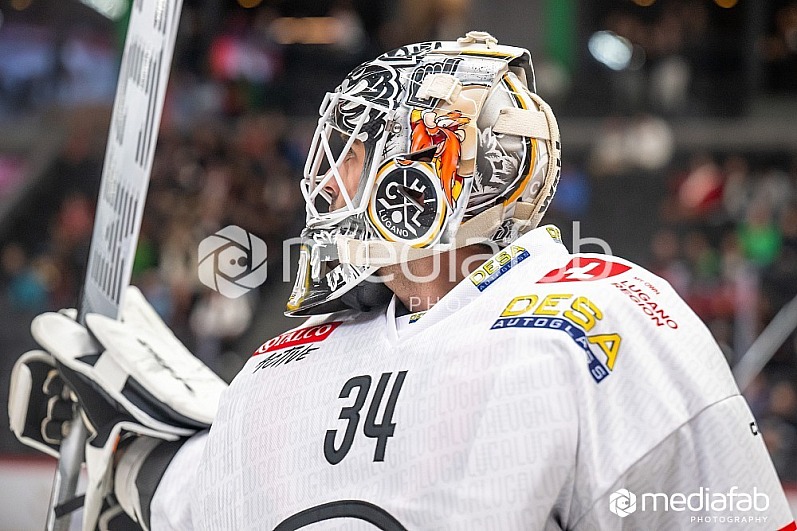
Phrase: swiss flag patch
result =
(583, 269)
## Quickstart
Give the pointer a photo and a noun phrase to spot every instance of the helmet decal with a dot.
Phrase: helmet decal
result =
(372, 82)
(443, 135)
(410, 54)
(495, 168)
(447, 66)
(408, 204)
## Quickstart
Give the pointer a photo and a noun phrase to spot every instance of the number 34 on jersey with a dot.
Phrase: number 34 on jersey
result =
(381, 431)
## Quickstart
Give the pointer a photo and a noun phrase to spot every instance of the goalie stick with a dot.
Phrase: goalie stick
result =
(135, 121)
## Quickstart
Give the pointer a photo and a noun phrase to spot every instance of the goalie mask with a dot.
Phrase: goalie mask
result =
(425, 149)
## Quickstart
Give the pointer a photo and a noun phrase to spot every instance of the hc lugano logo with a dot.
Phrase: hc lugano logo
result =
(407, 203)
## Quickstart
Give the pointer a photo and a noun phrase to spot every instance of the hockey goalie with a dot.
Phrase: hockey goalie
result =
(460, 369)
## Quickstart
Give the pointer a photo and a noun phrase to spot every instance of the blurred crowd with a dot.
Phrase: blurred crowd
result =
(691, 59)
(679, 55)
(240, 172)
(728, 244)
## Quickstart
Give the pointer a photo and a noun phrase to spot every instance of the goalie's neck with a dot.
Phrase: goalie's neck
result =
(420, 284)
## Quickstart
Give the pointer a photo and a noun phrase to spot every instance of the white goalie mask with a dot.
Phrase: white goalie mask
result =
(453, 148)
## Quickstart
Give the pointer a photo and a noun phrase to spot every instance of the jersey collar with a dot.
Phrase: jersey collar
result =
(544, 241)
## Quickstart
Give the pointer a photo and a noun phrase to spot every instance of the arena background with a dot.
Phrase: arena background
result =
(679, 145)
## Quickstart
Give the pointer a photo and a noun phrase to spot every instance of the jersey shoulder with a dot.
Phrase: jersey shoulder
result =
(627, 322)
(313, 329)
(627, 288)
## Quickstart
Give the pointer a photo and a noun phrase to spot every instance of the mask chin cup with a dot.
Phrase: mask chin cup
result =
(335, 305)
(367, 296)
(325, 285)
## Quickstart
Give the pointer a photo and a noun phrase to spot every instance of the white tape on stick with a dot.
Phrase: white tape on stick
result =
(135, 122)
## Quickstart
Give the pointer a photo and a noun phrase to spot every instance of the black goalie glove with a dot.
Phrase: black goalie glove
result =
(40, 407)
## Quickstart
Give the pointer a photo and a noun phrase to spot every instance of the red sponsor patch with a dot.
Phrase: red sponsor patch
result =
(302, 336)
(583, 269)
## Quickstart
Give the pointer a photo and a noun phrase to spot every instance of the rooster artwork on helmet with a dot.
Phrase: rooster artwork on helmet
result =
(442, 138)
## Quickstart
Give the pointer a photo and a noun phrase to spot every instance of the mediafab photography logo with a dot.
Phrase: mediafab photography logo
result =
(232, 261)
(733, 506)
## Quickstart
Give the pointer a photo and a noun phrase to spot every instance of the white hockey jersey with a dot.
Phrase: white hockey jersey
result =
(545, 391)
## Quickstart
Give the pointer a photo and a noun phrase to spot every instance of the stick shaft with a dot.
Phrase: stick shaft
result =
(67, 473)
(135, 121)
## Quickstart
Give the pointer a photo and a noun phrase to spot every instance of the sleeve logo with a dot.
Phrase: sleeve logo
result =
(302, 336)
(584, 269)
(496, 266)
(574, 315)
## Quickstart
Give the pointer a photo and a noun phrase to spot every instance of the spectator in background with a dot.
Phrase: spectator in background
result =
(760, 237)
(700, 193)
(774, 188)
(788, 228)
(779, 427)
(780, 279)
(666, 261)
(702, 259)
(779, 49)
(732, 259)
(26, 289)
(738, 191)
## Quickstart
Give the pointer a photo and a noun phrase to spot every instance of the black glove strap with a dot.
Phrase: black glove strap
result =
(70, 505)
(152, 472)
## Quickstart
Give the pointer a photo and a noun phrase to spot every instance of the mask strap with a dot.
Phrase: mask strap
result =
(379, 253)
